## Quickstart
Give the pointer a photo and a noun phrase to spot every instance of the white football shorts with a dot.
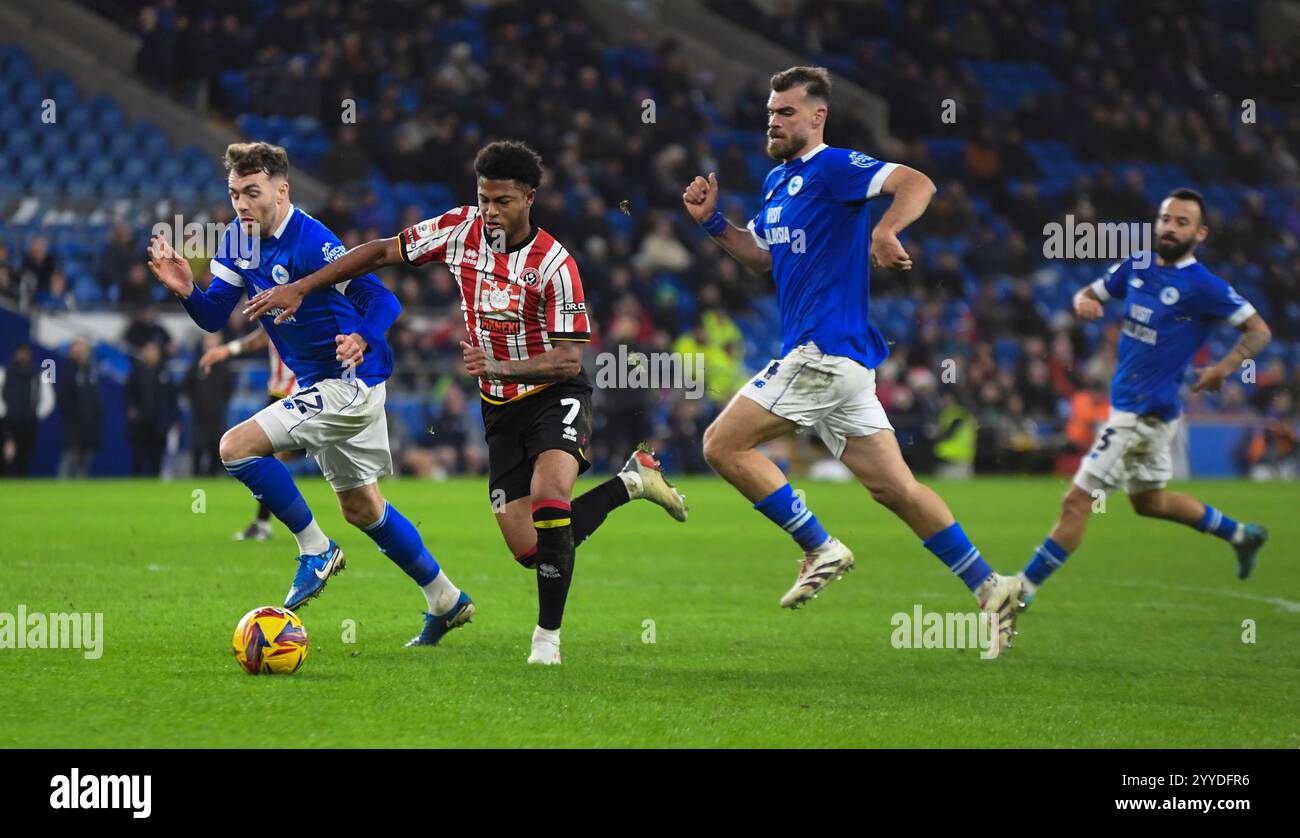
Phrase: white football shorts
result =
(1131, 452)
(340, 423)
(833, 395)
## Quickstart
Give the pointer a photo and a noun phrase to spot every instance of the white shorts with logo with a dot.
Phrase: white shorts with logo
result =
(833, 395)
(1131, 452)
(340, 423)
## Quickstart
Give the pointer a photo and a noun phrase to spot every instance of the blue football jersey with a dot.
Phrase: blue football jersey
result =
(1169, 311)
(815, 222)
(302, 246)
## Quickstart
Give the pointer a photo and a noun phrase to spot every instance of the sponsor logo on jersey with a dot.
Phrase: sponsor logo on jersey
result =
(500, 327)
(573, 308)
(862, 161)
(1135, 282)
(498, 298)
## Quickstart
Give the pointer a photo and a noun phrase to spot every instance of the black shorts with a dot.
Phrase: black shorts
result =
(558, 417)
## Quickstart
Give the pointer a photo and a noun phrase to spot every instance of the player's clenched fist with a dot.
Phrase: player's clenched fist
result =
(349, 349)
(1087, 307)
(701, 197)
(477, 363)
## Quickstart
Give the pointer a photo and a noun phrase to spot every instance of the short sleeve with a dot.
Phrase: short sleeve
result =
(854, 176)
(1112, 283)
(566, 307)
(427, 240)
(1222, 302)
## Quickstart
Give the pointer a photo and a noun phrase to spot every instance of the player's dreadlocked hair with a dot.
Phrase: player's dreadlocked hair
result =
(250, 158)
(815, 80)
(509, 160)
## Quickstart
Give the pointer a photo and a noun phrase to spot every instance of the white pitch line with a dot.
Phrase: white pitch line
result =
(1288, 605)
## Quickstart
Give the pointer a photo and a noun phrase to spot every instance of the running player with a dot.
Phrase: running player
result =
(527, 322)
(1170, 307)
(336, 347)
(813, 234)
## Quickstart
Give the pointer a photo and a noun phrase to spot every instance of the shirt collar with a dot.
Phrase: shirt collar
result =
(1189, 259)
(810, 155)
(279, 231)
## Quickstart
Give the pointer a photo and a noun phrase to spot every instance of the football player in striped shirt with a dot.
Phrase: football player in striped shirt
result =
(526, 316)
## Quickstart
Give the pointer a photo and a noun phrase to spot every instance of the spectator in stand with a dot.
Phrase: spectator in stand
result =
(25, 399)
(209, 389)
(151, 410)
(81, 404)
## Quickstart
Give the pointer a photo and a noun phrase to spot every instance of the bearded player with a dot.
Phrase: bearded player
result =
(1170, 307)
(527, 322)
(813, 234)
(335, 346)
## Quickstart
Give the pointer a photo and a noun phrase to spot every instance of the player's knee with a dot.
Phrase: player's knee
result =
(716, 449)
(1076, 503)
(229, 448)
(361, 509)
(893, 495)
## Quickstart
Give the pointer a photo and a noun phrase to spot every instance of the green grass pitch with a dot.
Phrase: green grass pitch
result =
(1137, 642)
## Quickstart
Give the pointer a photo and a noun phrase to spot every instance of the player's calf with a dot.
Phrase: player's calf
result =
(397, 538)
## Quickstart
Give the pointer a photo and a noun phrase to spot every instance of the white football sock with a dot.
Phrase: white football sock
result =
(441, 594)
(311, 540)
(1239, 534)
(540, 634)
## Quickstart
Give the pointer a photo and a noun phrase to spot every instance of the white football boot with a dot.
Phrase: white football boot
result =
(1002, 594)
(644, 478)
(819, 568)
(546, 647)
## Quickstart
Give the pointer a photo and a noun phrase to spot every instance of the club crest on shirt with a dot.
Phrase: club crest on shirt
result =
(280, 274)
(796, 183)
(1169, 295)
(530, 277)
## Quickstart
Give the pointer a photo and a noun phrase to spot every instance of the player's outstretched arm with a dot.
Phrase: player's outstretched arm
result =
(1255, 336)
(209, 309)
(362, 259)
(558, 364)
(220, 354)
(701, 200)
(912, 192)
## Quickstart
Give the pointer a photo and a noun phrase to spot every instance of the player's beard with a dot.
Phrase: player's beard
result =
(1173, 250)
(783, 148)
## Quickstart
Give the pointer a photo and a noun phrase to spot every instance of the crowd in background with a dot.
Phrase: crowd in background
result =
(431, 89)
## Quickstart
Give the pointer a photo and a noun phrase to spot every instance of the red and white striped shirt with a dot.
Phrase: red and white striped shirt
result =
(517, 303)
(282, 381)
